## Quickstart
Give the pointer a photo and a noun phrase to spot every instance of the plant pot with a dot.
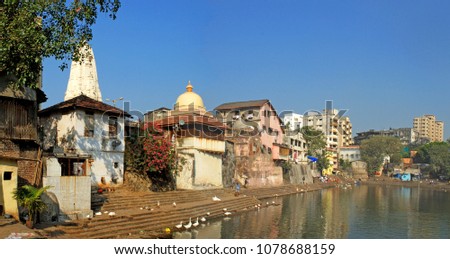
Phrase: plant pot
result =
(29, 224)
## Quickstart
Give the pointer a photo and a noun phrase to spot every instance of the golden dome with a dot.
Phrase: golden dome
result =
(189, 101)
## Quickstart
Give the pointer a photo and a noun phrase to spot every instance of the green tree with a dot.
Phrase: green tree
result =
(376, 148)
(315, 140)
(33, 30)
(437, 155)
(316, 144)
(29, 197)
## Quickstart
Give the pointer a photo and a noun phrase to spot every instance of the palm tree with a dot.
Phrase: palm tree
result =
(29, 197)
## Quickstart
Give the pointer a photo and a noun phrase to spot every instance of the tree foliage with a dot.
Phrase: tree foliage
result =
(437, 155)
(33, 30)
(29, 197)
(376, 148)
(316, 144)
(315, 140)
(153, 154)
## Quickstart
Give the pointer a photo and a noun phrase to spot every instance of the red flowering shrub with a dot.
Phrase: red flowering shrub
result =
(153, 155)
(159, 154)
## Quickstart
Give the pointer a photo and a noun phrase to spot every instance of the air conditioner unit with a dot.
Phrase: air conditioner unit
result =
(115, 143)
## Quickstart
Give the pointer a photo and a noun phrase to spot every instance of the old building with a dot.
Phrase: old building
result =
(20, 160)
(198, 138)
(257, 134)
(83, 140)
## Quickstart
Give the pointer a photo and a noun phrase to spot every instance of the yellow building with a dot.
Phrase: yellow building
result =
(8, 182)
(429, 128)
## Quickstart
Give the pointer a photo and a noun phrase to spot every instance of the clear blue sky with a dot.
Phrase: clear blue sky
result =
(385, 61)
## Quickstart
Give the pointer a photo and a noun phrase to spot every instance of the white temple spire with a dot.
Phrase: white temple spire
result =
(83, 77)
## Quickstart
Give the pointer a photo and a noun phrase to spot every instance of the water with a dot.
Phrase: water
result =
(362, 212)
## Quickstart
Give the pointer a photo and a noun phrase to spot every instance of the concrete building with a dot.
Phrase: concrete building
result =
(406, 135)
(337, 130)
(255, 118)
(199, 141)
(256, 134)
(350, 153)
(345, 132)
(292, 121)
(83, 140)
(429, 128)
(20, 160)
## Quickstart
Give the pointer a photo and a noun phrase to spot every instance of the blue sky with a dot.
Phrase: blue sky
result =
(385, 61)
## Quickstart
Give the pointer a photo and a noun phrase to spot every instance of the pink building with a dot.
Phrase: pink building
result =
(258, 120)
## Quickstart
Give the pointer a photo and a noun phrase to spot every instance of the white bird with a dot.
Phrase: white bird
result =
(88, 217)
(224, 209)
(227, 213)
(98, 213)
(208, 213)
(202, 219)
(111, 214)
(179, 225)
(157, 204)
(174, 204)
(215, 198)
(106, 212)
(188, 225)
(196, 223)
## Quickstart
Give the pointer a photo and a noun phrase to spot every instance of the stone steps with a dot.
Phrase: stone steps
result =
(139, 223)
(123, 201)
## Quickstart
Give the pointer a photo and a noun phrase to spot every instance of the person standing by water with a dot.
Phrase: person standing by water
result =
(237, 187)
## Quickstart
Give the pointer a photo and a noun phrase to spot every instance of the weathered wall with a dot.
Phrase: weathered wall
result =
(64, 132)
(301, 174)
(7, 187)
(208, 169)
(358, 170)
(73, 192)
(228, 165)
(25, 154)
(185, 177)
(257, 166)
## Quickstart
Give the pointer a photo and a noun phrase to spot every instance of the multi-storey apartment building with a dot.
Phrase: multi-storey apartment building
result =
(429, 128)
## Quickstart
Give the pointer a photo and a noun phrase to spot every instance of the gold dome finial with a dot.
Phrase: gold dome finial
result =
(189, 86)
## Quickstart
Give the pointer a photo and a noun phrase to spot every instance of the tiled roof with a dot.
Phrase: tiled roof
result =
(244, 104)
(190, 119)
(85, 102)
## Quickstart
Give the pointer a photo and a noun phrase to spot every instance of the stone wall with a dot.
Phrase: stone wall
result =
(358, 170)
(301, 174)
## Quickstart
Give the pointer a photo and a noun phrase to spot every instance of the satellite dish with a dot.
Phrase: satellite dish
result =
(181, 122)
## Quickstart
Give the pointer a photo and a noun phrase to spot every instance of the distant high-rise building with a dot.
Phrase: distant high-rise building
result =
(429, 128)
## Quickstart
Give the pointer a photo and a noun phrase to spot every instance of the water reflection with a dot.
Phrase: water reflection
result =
(360, 212)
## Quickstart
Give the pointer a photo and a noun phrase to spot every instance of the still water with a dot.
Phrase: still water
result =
(362, 212)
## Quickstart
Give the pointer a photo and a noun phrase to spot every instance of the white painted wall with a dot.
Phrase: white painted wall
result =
(208, 169)
(65, 131)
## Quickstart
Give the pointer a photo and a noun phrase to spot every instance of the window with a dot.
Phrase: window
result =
(89, 125)
(113, 127)
(7, 176)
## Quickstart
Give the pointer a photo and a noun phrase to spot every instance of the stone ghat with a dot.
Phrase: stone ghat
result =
(137, 214)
